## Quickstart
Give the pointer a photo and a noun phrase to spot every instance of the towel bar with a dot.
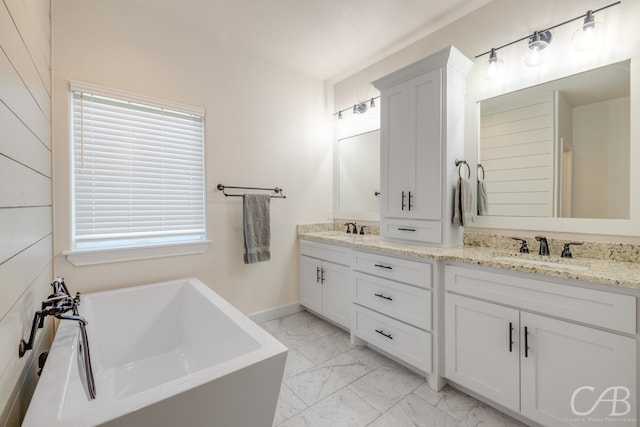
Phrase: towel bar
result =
(278, 191)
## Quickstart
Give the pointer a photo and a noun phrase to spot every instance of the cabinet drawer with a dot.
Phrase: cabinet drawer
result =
(405, 342)
(599, 308)
(403, 302)
(417, 231)
(325, 252)
(402, 270)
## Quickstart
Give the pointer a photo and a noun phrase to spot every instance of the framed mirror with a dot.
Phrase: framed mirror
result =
(358, 176)
(558, 221)
(559, 149)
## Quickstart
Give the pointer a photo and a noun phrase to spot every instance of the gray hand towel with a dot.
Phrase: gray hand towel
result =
(483, 200)
(257, 227)
(464, 207)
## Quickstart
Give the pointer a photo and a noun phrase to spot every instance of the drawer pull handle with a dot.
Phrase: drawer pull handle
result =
(406, 229)
(388, 267)
(384, 297)
(381, 332)
(526, 342)
(510, 337)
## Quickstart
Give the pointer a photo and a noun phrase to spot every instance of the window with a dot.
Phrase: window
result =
(138, 171)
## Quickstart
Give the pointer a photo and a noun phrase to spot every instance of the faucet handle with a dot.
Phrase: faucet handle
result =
(566, 251)
(362, 229)
(524, 249)
(348, 224)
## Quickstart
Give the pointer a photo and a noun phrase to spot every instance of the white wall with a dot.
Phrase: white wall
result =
(265, 126)
(25, 194)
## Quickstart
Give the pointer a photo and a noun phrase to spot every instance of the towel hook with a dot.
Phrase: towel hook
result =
(482, 169)
(459, 164)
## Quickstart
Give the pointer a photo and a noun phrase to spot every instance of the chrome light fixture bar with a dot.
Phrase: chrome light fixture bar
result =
(359, 108)
(588, 36)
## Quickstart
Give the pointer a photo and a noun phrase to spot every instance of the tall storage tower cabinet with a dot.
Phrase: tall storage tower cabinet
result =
(422, 135)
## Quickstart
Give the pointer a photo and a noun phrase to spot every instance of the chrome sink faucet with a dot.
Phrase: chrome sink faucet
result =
(544, 245)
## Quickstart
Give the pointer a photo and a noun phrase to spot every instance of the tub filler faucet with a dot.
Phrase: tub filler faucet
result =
(59, 304)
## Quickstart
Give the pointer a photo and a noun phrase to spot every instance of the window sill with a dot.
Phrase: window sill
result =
(106, 256)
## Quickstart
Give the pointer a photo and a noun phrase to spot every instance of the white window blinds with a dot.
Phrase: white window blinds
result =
(138, 172)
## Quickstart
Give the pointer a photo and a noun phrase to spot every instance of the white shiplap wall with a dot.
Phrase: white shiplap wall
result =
(517, 154)
(25, 194)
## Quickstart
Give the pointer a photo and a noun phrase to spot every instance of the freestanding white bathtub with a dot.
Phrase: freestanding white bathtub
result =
(166, 354)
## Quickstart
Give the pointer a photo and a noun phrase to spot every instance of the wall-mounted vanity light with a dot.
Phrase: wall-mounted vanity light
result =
(494, 68)
(359, 108)
(537, 49)
(588, 36)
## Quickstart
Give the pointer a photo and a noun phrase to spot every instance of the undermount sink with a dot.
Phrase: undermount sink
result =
(552, 264)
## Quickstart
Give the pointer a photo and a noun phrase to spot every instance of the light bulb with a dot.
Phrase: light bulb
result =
(589, 35)
(536, 52)
(494, 67)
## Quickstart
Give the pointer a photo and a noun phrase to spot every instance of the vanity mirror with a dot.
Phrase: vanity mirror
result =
(358, 176)
(559, 149)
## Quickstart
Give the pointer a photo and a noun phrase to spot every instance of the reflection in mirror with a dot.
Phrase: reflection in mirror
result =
(359, 173)
(560, 149)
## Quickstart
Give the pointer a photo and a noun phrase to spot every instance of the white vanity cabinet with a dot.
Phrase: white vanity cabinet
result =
(422, 134)
(393, 307)
(325, 281)
(543, 349)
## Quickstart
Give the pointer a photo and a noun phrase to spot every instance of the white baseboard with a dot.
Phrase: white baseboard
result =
(275, 313)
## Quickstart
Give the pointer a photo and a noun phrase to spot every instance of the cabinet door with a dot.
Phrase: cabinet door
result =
(397, 149)
(426, 200)
(310, 287)
(566, 361)
(411, 137)
(481, 348)
(337, 293)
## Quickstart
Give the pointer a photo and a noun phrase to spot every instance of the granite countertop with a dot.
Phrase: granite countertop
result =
(601, 271)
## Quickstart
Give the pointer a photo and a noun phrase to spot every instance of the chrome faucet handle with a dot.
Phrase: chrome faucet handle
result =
(566, 251)
(544, 245)
(362, 229)
(524, 249)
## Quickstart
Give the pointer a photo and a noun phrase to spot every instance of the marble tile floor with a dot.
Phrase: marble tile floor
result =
(330, 383)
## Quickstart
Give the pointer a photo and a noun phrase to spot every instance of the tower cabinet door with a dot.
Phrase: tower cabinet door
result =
(426, 200)
(572, 373)
(481, 348)
(397, 138)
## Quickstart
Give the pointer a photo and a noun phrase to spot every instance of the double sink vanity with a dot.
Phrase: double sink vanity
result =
(540, 338)
(549, 340)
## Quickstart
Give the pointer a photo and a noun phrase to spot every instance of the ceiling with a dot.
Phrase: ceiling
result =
(320, 38)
